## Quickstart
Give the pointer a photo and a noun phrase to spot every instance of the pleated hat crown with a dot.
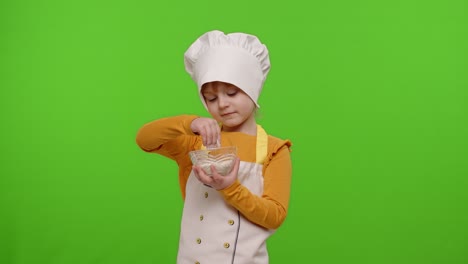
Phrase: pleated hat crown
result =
(236, 58)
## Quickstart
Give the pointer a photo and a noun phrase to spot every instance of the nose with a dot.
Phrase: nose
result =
(223, 102)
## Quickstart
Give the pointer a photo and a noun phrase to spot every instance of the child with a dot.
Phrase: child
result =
(226, 219)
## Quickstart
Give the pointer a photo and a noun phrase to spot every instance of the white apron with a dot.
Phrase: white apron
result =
(212, 231)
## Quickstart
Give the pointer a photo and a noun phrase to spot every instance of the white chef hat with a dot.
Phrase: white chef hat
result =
(236, 58)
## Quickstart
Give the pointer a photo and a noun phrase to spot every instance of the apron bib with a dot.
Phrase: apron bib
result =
(212, 231)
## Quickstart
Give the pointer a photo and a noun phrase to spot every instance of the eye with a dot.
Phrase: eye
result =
(232, 93)
(210, 99)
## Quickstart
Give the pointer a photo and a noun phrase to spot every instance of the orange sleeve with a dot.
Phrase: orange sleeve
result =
(164, 136)
(172, 138)
(271, 208)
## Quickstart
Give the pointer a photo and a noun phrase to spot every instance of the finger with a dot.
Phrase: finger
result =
(213, 133)
(207, 134)
(203, 177)
(232, 174)
(218, 135)
(235, 168)
(204, 133)
(214, 173)
(195, 172)
(218, 179)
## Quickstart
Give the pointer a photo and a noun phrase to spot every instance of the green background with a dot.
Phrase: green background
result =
(373, 95)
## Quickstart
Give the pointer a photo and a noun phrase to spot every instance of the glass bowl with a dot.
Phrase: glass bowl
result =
(222, 158)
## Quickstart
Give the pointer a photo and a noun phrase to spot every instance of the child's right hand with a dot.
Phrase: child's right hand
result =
(208, 129)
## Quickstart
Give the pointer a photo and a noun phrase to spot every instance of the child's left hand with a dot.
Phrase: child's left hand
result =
(217, 181)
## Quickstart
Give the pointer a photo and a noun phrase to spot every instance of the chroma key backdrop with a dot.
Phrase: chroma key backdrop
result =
(372, 94)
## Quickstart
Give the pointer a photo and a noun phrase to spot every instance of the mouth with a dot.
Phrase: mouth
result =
(227, 114)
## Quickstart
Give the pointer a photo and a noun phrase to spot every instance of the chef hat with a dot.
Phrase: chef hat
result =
(236, 58)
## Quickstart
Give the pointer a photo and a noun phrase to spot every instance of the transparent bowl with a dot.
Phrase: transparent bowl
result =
(222, 158)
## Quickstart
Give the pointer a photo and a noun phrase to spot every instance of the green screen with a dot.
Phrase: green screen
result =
(372, 94)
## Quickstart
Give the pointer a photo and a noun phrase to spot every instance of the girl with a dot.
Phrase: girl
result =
(226, 219)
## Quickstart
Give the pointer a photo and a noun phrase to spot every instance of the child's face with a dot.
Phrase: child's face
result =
(229, 105)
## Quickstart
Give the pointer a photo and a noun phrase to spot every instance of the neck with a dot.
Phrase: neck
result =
(248, 127)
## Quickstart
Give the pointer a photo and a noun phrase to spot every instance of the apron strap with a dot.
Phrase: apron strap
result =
(262, 145)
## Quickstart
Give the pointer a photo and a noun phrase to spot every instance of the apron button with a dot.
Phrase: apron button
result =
(231, 222)
(226, 245)
(198, 241)
(201, 217)
(206, 194)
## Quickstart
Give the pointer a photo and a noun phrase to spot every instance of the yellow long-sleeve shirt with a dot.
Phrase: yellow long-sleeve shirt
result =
(173, 138)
